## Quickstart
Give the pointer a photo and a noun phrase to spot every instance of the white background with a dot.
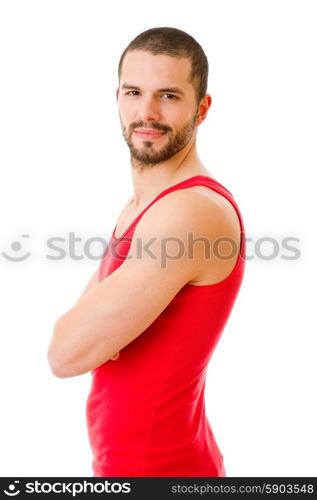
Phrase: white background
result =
(65, 168)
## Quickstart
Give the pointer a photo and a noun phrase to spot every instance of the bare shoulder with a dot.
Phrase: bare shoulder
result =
(196, 214)
(196, 208)
(220, 206)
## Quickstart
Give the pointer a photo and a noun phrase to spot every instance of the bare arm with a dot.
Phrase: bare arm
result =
(94, 280)
(124, 304)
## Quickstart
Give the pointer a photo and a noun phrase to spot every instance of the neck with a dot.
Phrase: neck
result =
(149, 181)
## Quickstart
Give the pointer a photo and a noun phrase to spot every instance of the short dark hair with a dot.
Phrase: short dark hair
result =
(175, 43)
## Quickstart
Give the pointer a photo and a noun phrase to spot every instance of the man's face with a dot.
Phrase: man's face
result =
(157, 105)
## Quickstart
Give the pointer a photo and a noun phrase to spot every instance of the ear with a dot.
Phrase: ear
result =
(203, 108)
(117, 93)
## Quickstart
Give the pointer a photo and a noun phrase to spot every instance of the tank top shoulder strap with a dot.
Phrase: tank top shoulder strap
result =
(197, 180)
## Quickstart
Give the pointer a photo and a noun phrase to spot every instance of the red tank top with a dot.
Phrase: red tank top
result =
(146, 410)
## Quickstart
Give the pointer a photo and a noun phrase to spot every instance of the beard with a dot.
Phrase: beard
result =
(147, 154)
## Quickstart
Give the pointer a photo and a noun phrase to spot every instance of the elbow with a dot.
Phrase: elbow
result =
(57, 363)
(65, 356)
(58, 368)
(62, 369)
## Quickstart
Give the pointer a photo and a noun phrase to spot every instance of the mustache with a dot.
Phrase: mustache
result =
(157, 126)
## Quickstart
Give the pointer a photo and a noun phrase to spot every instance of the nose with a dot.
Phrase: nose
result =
(149, 109)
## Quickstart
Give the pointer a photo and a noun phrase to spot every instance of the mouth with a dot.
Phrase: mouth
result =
(149, 133)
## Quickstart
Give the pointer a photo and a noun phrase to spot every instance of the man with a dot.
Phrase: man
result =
(151, 315)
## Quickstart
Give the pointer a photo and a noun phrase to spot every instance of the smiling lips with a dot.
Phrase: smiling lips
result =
(149, 133)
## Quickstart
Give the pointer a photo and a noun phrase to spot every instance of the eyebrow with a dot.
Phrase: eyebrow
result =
(173, 90)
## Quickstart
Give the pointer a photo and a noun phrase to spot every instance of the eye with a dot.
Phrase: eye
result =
(129, 93)
(171, 96)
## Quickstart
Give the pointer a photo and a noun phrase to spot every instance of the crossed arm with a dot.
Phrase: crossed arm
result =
(94, 280)
(112, 313)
